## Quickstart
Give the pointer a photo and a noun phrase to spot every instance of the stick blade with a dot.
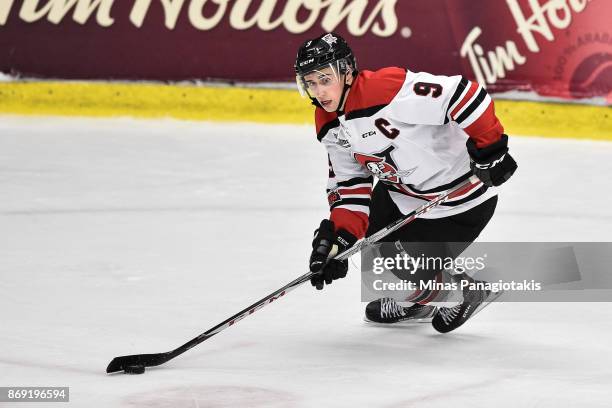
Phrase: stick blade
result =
(147, 360)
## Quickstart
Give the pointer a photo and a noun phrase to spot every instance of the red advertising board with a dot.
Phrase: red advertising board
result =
(559, 48)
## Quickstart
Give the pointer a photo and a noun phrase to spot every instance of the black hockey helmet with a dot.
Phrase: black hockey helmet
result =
(321, 51)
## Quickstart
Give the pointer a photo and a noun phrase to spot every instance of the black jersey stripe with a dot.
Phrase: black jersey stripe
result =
(443, 187)
(355, 181)
(477, 193)
(472, 195)
(399, 190)
(351, 201)
(475, 104)
(326, 128)
(460, 88)
(364, 113)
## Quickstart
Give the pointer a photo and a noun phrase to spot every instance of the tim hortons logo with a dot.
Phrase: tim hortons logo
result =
(494, 65)
(360, 16)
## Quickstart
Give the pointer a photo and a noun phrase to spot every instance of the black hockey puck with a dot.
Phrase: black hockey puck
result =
(134, 369)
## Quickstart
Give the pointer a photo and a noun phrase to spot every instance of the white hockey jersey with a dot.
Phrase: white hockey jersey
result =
(409, 131)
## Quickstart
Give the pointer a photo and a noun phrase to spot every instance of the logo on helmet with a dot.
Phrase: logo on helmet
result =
(306, 62)
(330, 39)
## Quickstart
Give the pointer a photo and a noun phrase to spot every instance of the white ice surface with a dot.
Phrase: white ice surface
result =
(123, 236)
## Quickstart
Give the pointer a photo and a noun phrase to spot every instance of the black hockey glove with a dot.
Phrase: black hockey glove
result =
(322, 248)
(492, 164)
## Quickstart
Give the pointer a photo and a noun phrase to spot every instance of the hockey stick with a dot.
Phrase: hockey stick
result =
(139, 361)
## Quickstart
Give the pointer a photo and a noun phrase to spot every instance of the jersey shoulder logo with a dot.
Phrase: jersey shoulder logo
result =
(341, 140)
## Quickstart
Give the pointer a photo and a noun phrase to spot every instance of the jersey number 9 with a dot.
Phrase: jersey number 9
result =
(426, 88)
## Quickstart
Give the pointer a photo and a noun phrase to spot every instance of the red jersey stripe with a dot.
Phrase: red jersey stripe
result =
(360, 190)
(470, 93)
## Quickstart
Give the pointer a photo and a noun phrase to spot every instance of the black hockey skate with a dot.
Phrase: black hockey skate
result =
(388, 311)
(449, 318)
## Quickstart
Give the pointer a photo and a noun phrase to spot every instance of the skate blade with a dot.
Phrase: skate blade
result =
(401, 323)
(411, 321)
(492, 298)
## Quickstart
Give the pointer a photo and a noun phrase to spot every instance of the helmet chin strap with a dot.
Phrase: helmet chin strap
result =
(340, 110)
(315, 102)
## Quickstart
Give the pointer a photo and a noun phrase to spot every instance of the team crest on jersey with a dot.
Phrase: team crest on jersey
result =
(333, 197)
(383, 166)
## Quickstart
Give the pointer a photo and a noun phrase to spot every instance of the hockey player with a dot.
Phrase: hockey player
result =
(419, 135)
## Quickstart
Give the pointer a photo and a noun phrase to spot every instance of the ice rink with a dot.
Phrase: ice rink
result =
(122, 236)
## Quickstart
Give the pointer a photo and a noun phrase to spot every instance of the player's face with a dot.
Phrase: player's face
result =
(325, 86)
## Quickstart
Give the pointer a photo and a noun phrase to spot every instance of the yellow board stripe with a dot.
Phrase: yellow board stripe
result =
(550, 119)
(150, 100)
